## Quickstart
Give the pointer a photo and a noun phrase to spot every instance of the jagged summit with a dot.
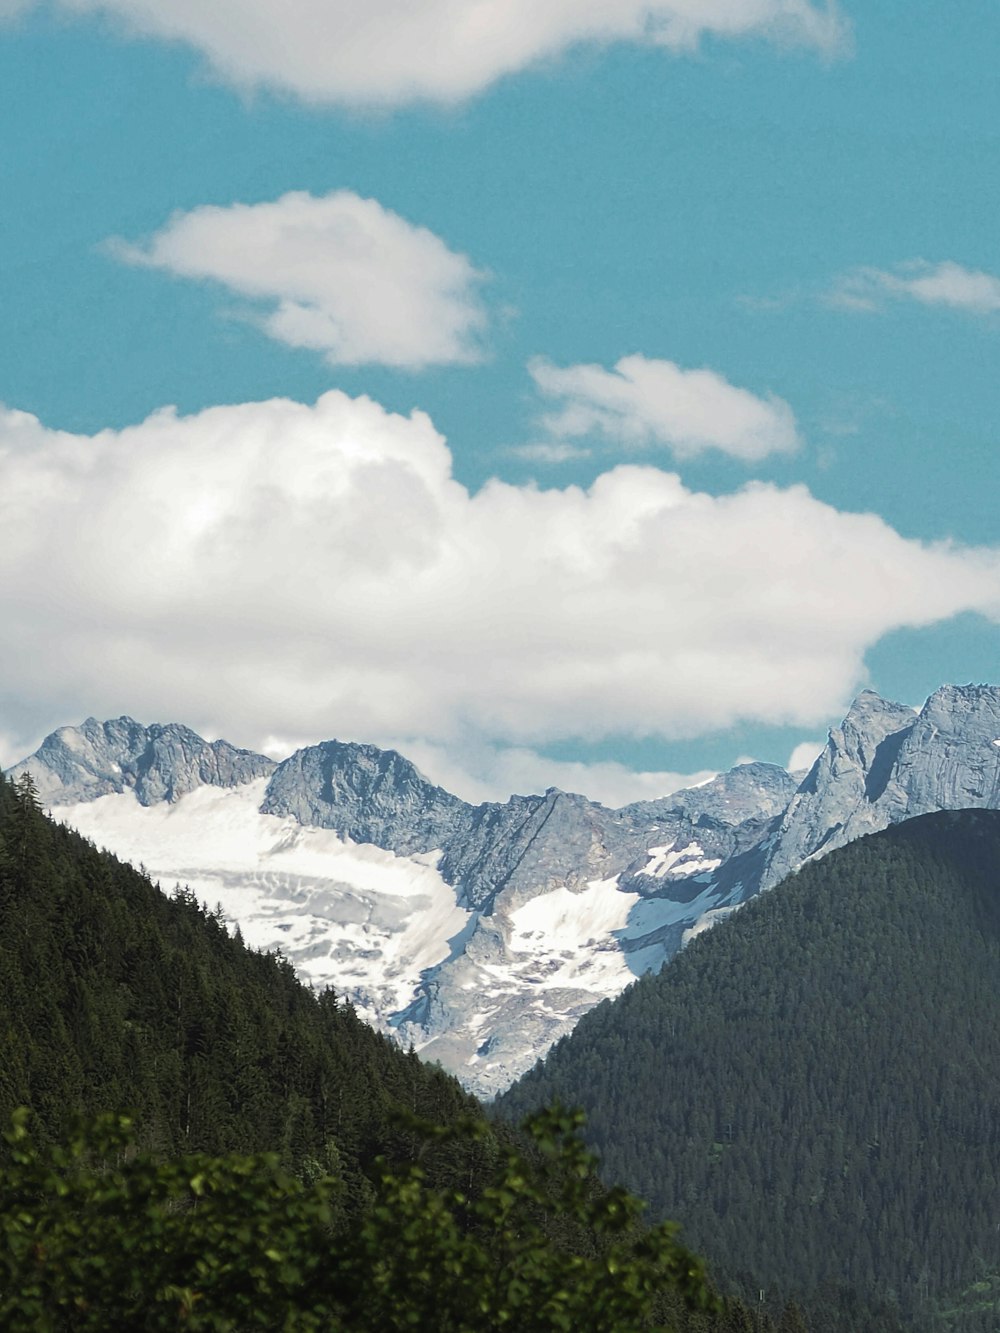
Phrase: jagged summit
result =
(748, 791)
(159, 763)
(364, 793)
(885, 763)
(506, 852)
(479, 932)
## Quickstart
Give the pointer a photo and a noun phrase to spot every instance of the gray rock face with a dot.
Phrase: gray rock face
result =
(950, 759)
(365, 794)
(748, 792)
(886, 763)
(834, 803)
(532, 844)
(724, 818)
(527, 845)
(159, 763)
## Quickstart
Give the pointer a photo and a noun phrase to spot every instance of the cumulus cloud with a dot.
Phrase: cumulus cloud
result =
(276, 568)
(340, 275)
(386, 53)
(644, 401)
(804, 755)
(946, 283)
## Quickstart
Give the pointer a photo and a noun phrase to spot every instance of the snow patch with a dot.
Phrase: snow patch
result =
(687, 861)
(346, 914)
(709, 919)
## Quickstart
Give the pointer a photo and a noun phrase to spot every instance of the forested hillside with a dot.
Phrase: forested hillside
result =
(116, 997)
(814, 1085)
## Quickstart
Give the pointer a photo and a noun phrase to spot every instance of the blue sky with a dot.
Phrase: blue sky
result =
(777, 222)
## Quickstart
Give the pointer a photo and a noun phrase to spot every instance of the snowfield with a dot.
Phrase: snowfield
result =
(485, 995)
(347, 915)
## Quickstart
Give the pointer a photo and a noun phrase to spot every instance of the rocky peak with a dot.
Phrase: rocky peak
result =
(510, 852)
(159, 762)
(748, 791)
(950, 759)
(366, 794)
(886, 763)
(631, 884)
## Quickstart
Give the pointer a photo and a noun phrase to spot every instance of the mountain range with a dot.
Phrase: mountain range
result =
(481, 934)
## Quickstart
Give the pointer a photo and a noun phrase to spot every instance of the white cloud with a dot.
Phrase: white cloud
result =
(387, 53)
(804, 755)
(549, 452)
(14, 746)
(651, 402)
(491, 773)
(342, 275)
(288, 570)
(946, 283)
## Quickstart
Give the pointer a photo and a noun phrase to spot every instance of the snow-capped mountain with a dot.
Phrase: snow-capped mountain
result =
(482, 933)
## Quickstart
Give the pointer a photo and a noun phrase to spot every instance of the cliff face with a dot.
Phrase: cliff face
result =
(887, 763)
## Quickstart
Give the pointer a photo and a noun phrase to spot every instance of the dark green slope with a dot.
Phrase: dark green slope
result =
(814, 1086)
(113, 997)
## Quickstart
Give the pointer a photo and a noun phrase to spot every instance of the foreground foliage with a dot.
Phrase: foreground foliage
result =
(96, 1236)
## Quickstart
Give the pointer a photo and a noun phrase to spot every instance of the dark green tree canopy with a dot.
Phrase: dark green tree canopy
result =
(813, 1085)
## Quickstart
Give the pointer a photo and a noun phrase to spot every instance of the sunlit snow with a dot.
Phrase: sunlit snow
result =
(483, 993)
(346, 914)
(689, 860)
(567, 939)
(709, 919)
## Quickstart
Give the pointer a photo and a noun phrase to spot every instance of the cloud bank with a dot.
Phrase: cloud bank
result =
(386, 53)
(493, 772)
(340, 274)
(280, 569)
(946, 283)
(652, 402)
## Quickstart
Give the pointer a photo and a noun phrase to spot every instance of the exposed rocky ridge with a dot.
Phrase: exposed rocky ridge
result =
(158, 763)
(504, 993)
(366, 794)
(563, 900)
(887, 763)
(528, 844)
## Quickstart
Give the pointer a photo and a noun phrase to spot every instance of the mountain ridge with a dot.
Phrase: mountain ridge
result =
(481, 933)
